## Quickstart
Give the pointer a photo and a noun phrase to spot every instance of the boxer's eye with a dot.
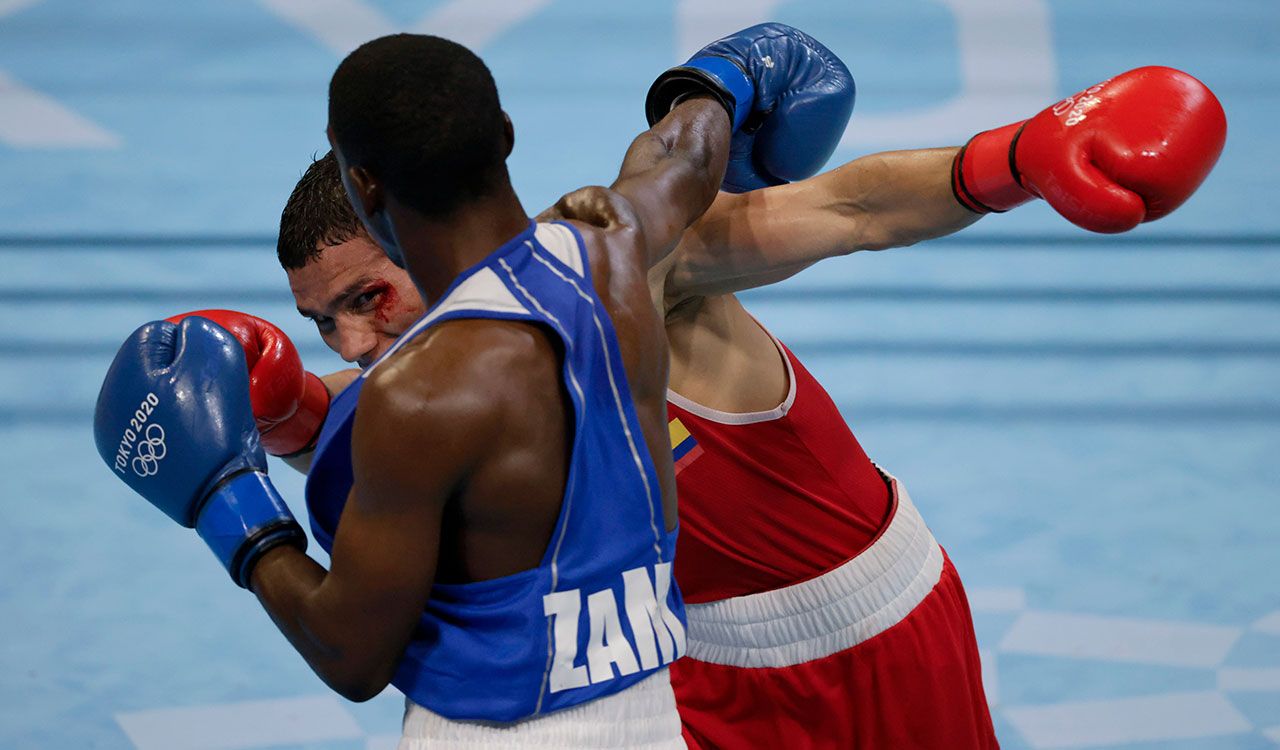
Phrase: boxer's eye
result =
(366, 300)
(323, 324)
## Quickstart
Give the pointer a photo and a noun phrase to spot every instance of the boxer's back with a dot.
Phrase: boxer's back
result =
(555, 562)
(493, 536)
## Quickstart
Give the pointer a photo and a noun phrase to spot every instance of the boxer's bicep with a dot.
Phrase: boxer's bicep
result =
(667, 179)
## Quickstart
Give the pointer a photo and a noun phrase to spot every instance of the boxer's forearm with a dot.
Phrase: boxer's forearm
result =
(290, 587)
(672, 171)
(885, 200)
(353, 622)
(891, 199)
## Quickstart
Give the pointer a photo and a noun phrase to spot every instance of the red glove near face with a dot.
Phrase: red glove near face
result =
(289, 403)
(1128, 150)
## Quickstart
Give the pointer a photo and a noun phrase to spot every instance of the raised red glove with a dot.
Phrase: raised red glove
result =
(289, 403)
(1128, 150)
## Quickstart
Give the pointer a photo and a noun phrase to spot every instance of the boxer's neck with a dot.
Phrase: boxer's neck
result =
(437, 251)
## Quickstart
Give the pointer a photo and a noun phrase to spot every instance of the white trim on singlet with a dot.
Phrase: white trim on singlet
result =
(561, 242)
(567, 506)
(748, 417)
(577, 388)
(654, 501)
(483, 290)
(837, 610)
(613, 384)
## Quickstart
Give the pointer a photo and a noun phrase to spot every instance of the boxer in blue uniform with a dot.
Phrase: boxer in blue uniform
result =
(604, 575)
(496, 491)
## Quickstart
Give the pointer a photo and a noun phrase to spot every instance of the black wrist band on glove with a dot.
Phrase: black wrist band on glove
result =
(263, 541)
(721, 78)
(679, 84)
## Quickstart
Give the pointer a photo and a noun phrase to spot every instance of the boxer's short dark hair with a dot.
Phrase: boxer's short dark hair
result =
(317, 216)
(420, 113)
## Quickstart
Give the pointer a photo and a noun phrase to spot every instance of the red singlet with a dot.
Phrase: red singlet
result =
(770, 498)
(821, 611)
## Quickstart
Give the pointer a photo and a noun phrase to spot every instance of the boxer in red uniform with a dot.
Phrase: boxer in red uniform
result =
(822, 613)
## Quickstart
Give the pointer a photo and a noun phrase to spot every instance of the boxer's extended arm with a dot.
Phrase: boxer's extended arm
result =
(785, 99)
(671, 172)
(879, 201)
(1127, 150)
(353, 622)
(668, 178)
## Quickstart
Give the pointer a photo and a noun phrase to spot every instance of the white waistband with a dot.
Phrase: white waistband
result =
(833, 612)
(643, 716)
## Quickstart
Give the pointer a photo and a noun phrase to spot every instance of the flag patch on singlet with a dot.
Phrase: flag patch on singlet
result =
(684, 449)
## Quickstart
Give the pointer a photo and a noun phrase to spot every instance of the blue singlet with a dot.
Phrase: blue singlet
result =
(601, 611)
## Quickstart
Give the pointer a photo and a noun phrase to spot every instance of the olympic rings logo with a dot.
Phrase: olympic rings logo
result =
(150, 451)
(1077, 106)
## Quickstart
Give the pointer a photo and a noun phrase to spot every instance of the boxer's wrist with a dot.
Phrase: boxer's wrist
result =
(984, 174)
(242, 519)
(704, 76)
(694, 96)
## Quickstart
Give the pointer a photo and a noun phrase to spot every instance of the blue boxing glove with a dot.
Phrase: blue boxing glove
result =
(788, 96)
(174, 422)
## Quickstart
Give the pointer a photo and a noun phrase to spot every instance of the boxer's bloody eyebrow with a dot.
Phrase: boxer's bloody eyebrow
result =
(338, 300)
(351, 290)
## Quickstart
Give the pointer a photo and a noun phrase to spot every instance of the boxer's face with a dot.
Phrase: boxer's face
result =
(359, 301)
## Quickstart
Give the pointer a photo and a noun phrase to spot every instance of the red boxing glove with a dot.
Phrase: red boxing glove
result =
(289, 403)
(1128, 150)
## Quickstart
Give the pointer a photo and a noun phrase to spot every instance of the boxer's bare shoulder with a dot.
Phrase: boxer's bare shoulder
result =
(596, 206)
(618, 255)
(462, 390)
(608, 223)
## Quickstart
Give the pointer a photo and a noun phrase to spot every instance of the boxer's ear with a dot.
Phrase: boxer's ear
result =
(509, 133)
(365, 191)
(367, 196)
